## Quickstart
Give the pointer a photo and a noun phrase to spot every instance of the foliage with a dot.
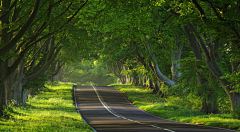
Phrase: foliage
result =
(191, 102)
(8, 110)
(37, 83)
(188, 84)
(88, 73)
(52, 110)
(119, 34)
(224, 104)
(163, 89)
(234, 78)
(151, 103)
(236, 113)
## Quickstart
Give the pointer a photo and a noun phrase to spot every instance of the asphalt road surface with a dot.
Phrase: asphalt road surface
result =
(106, 109)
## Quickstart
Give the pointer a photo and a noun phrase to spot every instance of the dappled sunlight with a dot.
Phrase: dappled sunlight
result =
(47, 111)
(177, 59)
(159, 107)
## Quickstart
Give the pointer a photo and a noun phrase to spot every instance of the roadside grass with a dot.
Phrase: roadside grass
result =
(52, 110)
(152, 103)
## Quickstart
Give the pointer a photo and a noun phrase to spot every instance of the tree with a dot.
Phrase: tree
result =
(89, 73)
(217, 18)
(142, 27)
(20, 32)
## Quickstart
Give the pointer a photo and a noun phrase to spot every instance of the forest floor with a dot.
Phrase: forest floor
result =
(50, 110)
(152, 103)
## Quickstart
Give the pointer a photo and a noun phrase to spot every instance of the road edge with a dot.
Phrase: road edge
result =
(75, 104)
(169, 119)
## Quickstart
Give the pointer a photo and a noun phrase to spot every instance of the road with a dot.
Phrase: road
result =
(106, 109)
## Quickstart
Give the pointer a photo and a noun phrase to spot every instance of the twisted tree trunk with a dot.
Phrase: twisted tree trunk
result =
(211, 62)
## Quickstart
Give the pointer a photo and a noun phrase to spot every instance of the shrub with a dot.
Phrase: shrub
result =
(236, 113)
(190, 102)
(8, 110)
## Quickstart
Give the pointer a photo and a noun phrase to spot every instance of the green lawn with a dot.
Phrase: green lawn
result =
(143, 99)
(52, 110)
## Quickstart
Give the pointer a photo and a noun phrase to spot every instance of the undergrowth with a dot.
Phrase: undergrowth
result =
(52, 110)
(174, 108)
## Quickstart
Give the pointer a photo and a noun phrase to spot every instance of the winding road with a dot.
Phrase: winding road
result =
(106, 109)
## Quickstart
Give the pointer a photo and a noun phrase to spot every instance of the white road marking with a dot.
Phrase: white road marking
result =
(118, 115)
(173, 120)
(147, 113)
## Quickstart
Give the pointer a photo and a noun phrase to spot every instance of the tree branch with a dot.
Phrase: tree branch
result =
(74, 14)
(56, 72)
(210, 62)
(40, 63)
(199, 8)
(22, 30)
(63, 11)
(38, 51)
(10, 32)
(41, 71)
(10, 8)
(215, 11)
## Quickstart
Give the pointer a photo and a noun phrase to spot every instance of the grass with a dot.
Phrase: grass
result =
(152, 103)
(52, 110)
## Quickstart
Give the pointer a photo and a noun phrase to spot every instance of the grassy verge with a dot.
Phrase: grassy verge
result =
(51, 110)
(151, 103)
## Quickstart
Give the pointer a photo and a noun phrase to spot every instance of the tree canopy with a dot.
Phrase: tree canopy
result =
(191, 47)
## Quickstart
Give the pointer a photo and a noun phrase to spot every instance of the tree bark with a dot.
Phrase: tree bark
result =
(210, 60)
(117, 71)
(41, 71)
(200, 77)
(22, 30)
(176, 57)
(3, 63)
(154, 66)
(155, 86)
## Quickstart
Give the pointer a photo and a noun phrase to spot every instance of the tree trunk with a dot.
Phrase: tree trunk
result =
(211, 62)
(155, 86)
(3, 63)
(159, 90)
(24, 96)
(200, 77)
(155, 68)
(52, 69)
(17, 86)
(140, 79)
(144, 79)
(3, 97)
(32, 91)
(10, 90)
(117, 71)
(210, 107)
(122, 80)
(150, 85)
(127, 75)
(41, 71)
(18, 93)
(137, 80)
(235, 101)
(176, 57)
